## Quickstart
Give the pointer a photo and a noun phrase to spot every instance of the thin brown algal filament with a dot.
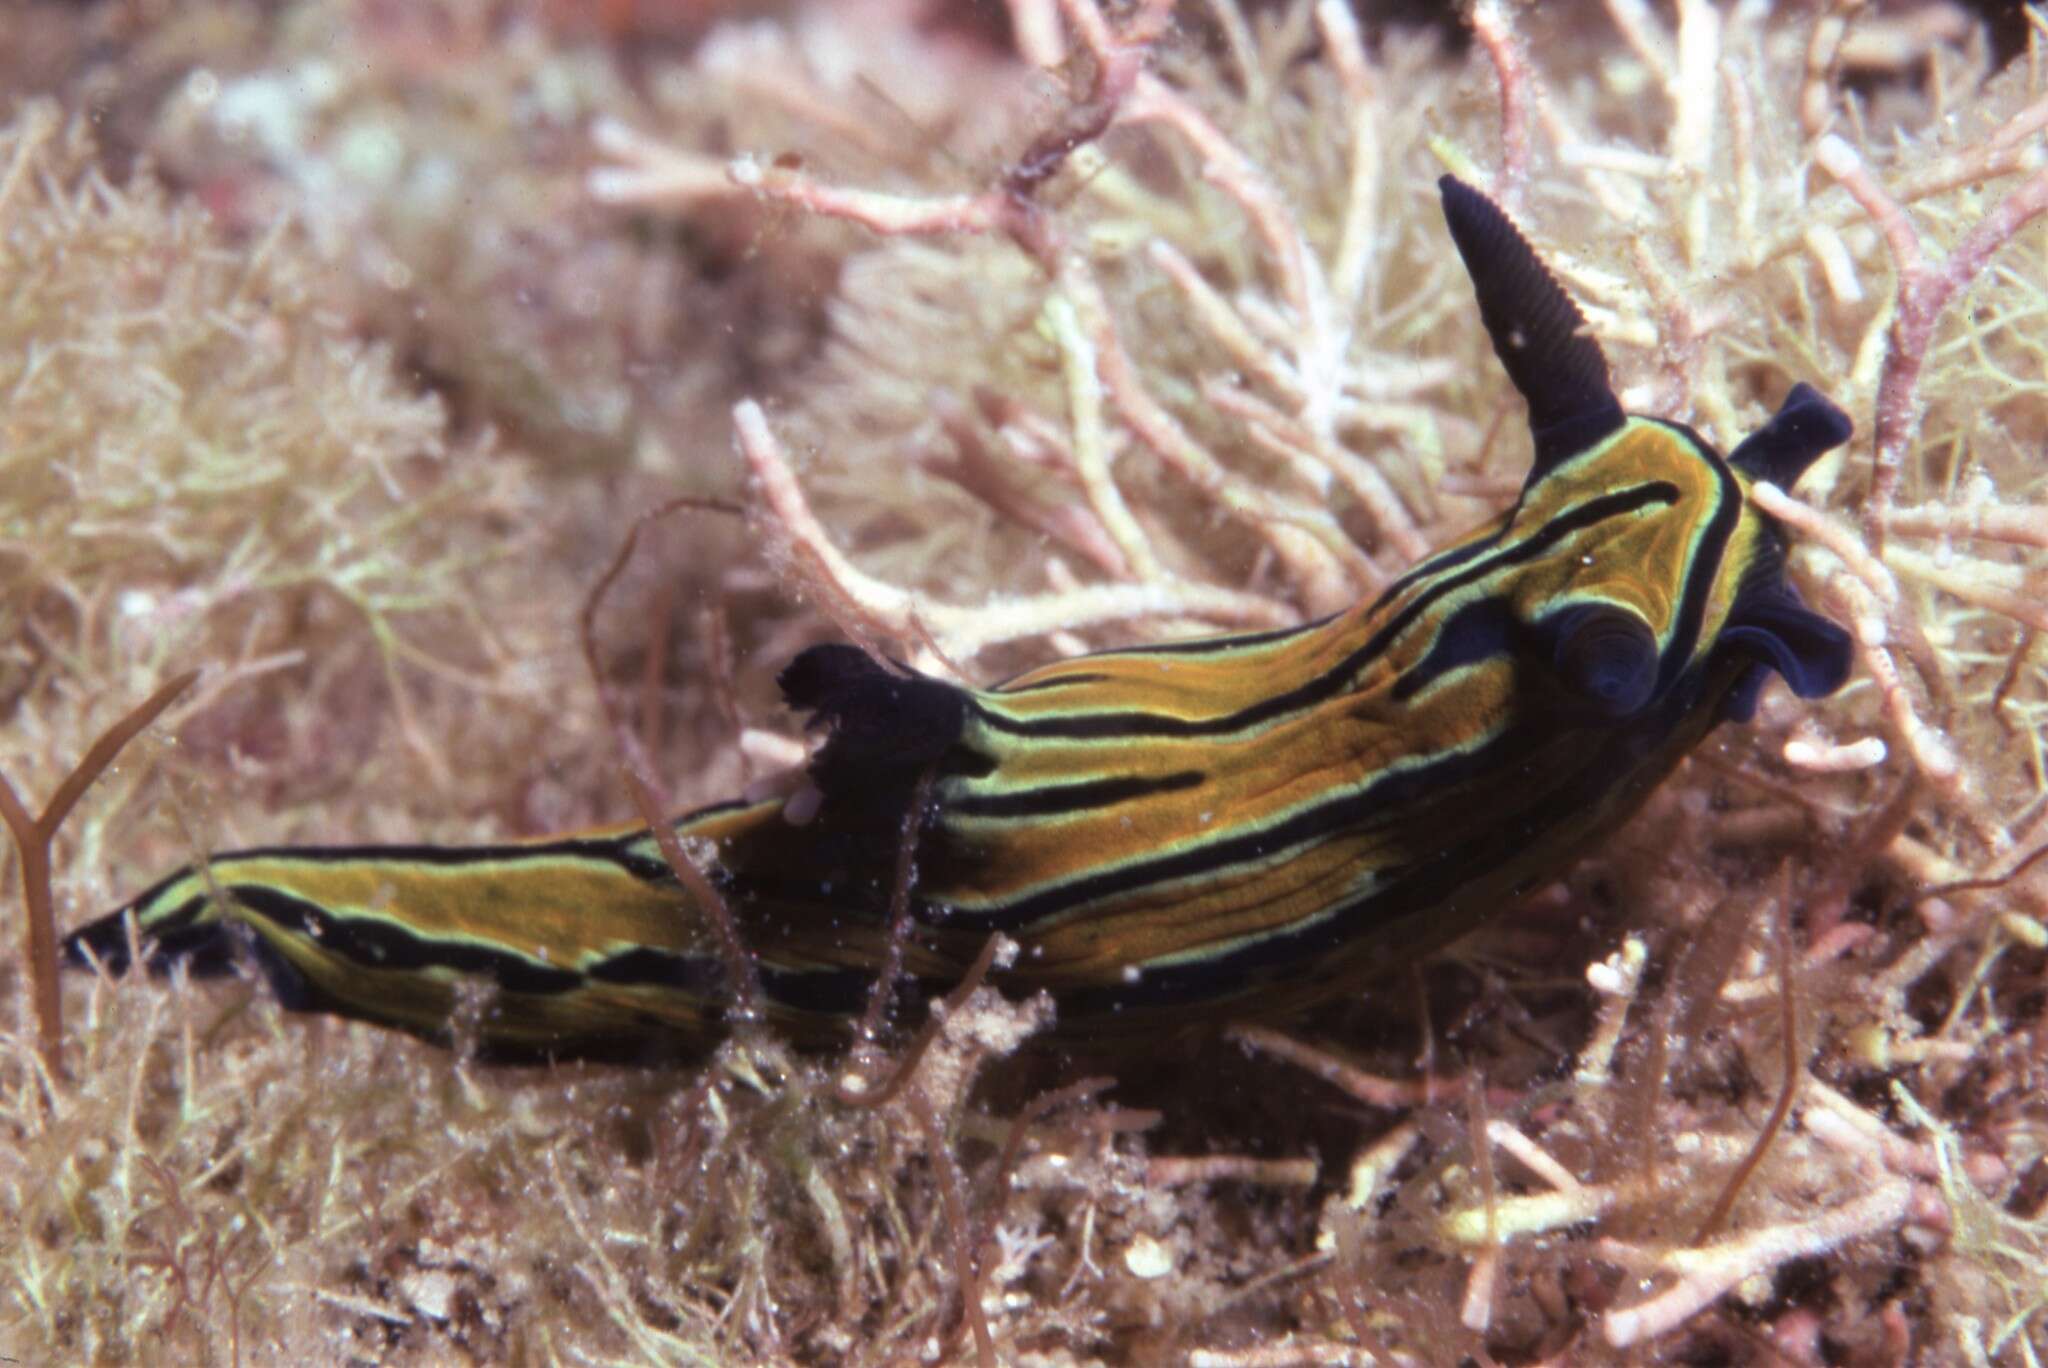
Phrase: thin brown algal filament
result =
(654, 666)
(32, 838)
(853, 1090)
(645, 785)
(1035, 1111)
(952, 1185)
(743, 979)
(901, 914)
(718, 675)
(1013, 1146)
(1782, 1109)
(1984, 884)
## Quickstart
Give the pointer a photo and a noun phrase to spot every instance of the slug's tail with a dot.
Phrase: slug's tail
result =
(178, 925)
(168, 926)
(578, 947)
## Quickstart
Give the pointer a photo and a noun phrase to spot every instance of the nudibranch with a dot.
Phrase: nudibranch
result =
(1232, 827)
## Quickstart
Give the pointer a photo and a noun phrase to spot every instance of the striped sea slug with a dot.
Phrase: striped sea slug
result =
(1233, 827)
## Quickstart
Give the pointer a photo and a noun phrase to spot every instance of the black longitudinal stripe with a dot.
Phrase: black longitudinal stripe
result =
(1451, 559)
(617, 849)
(646, 967)
(1056, 682)
(1222, 645)
(1323, 819)
(1430, 566)
(382, 945)
(1102, 726)
(831, 991)
(834, 992)
(649, 1041)
(143, 899)
(1416, 889)
(1053, 800)
(613, 849)
(1704, 568)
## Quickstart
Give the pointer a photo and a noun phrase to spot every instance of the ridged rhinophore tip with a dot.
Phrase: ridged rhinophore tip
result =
(1537, 331)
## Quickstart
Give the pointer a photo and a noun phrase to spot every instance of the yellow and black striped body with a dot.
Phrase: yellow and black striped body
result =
(1239, 826)
(1262, 820)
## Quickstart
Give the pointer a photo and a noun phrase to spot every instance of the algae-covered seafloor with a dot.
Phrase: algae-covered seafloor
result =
(340, 342)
